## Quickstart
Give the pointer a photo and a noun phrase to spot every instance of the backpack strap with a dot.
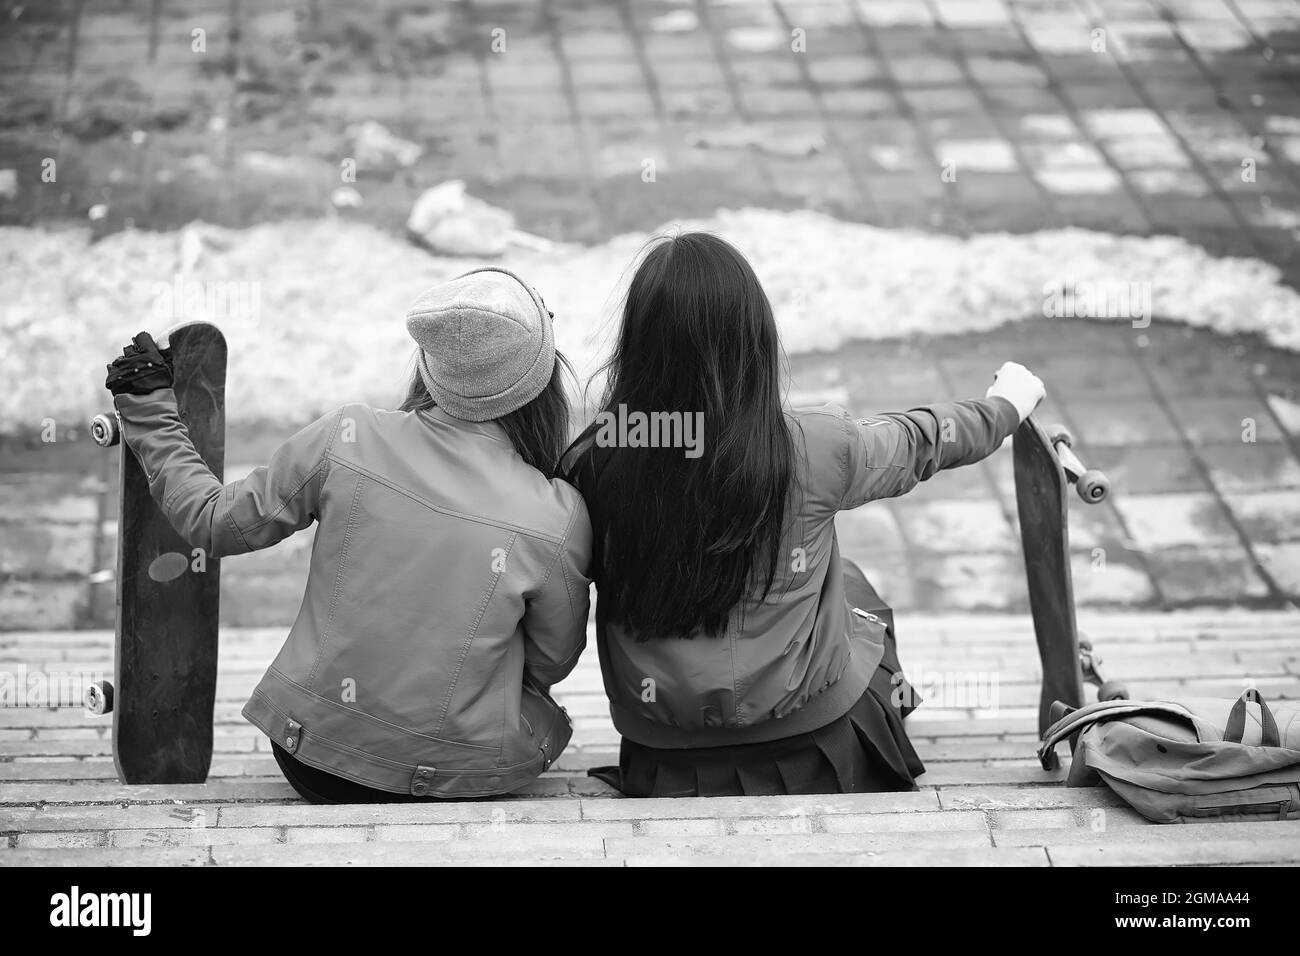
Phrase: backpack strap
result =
(1076, 721)
(1236, 726)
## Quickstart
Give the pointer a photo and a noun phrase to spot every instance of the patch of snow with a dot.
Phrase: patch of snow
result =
(330, 296)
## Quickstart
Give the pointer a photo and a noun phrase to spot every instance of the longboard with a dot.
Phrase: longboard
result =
(165, 650)
(1044, 466)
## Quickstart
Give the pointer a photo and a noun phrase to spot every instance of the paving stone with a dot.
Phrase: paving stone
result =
(969, 581)
(19, 794)
(1141, 853)
(1242, 467)
(967, 526)
(1154, 836)
(910, 857)
(102, 856)
(301, 814)
(1103, 577)
(1192, 519)
(777, 845)
(1190, 576)
(1125, 422)
(1282, 562)
(905, 822)
(1226, 419)
(44, 605)
(429, 853)
(799, 806)
(43, 498)
(1267, 517)
(192, 837)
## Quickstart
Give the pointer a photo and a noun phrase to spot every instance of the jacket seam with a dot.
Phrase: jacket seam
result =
(845, 483)
(478, 519)
(469, 639)
(559, 559)
(307, 479)
(338, 584)
(353, 712)
(284, 503)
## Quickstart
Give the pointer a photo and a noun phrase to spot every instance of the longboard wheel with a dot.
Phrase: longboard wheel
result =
(1113, 690)
(99, 697)
(1093, 486)
(104, 430)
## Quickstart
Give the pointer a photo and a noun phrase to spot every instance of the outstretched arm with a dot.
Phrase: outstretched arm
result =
(268, 505)
(888, 455)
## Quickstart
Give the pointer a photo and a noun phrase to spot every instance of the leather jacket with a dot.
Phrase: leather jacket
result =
(447, 590)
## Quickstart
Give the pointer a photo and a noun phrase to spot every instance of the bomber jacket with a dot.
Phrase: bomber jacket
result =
(800, 657)
(447, 590)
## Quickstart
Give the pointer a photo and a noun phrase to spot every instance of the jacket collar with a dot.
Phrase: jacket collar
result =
(488, 429)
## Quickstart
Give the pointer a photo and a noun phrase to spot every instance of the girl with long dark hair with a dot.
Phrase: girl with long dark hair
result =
(741, 653)
(447, 589)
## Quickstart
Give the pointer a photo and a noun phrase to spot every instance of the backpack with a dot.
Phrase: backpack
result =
(1190, 761)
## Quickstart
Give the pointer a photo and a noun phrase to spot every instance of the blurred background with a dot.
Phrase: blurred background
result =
(1106, 190)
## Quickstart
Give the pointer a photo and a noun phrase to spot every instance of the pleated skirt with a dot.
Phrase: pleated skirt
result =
(865, 751)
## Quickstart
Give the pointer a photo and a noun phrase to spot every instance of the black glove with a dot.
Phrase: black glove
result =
(142, 368)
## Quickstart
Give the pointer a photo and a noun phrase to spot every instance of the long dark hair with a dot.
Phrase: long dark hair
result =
(538, 430)
(686, 540)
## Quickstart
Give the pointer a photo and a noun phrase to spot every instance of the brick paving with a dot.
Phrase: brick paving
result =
(1126, 115)
(553, 108)
(1200, 433)
(983, 800)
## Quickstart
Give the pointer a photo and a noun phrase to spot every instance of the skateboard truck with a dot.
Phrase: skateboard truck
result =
(1090, 663)
(1092, 485)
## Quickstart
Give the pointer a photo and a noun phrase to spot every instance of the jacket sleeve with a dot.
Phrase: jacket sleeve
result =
(555, 620)
(268, 505)
(888, 455)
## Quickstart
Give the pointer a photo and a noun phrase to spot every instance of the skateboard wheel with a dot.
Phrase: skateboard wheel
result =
(99, 697)
(104, 430)
(1112, 690)
(1060, 435)
(1093, 486)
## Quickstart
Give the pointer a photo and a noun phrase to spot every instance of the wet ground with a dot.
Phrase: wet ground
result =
(587, 119)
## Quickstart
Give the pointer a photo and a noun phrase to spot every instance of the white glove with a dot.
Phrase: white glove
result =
(1021, 387)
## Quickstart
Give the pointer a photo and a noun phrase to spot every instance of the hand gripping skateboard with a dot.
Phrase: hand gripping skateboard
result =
(1044, 466)
(165, 651)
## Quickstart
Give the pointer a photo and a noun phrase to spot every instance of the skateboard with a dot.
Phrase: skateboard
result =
(1045, 464)
(165, 649)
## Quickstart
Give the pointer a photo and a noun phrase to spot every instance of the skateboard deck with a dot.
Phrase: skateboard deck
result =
(1044, 467)
(165, 651)
(1045, 537)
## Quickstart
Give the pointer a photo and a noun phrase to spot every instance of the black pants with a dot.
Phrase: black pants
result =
(320, 786)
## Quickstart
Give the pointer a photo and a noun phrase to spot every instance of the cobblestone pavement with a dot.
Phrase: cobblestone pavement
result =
(1125, 115)
(983, 800)
(587, 118)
